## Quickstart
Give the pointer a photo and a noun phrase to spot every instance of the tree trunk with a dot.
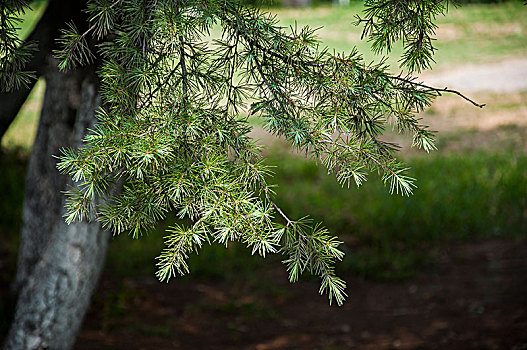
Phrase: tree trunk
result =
(58, 265)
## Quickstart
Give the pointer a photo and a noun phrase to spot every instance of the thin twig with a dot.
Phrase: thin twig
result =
(439, 90)
(95, 24)
(183, 67)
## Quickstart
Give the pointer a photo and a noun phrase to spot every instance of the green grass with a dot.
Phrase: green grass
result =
(475, 195)
(21, 133)
(30, 18)
(484, 32)
(478, 194)
(470, 33)
(128, 257)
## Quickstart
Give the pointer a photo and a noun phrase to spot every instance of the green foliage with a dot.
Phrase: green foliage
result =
(169, 135)
(14, 53)
(169, 132)
(479, 194)
(412, 21)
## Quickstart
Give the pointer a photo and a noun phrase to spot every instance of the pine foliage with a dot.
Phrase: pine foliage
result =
(411, 21)
(14, 54)
(175, 76)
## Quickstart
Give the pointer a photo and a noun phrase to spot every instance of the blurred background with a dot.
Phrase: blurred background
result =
(443, 269)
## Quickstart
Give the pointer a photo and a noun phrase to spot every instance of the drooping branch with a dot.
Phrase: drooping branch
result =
(177, 153)
(440, 90)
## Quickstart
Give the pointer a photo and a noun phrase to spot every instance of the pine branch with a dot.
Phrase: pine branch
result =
(169, 129)
(439, 90)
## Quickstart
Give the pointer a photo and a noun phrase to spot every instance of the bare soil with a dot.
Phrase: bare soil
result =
(475, 297)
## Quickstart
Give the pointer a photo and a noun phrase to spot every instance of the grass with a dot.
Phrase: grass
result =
(128, 256)
(30, 18)
(484, 32)
(475, 195)
(471, 33)
(21, 133)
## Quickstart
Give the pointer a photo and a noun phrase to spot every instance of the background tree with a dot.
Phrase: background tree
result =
(173, 78)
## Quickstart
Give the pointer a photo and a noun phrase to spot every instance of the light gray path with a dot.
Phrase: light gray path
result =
(506, 76)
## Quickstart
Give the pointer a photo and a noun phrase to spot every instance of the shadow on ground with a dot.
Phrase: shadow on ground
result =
(472, 298)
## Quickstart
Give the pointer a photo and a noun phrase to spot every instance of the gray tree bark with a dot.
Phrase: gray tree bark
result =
(58, 265)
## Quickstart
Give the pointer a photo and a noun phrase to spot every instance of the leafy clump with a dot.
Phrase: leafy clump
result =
(175, 78)
(14, 53)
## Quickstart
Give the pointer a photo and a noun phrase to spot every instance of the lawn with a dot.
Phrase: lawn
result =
(470, 33)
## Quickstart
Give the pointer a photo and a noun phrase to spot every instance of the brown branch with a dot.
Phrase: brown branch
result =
(439, 90)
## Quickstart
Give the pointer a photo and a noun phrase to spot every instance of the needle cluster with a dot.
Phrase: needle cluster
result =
(14, 53)
(179, 80)
(410, 21)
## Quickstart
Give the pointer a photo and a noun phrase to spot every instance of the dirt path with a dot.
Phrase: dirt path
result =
(501, 86)
(506, 76)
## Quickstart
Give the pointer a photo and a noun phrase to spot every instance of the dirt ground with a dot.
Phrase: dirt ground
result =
(475, 297)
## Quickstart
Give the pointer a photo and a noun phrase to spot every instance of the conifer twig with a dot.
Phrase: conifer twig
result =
(439, 90)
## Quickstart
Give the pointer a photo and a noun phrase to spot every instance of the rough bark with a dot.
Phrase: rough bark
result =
(43, 201)
(59, 265)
